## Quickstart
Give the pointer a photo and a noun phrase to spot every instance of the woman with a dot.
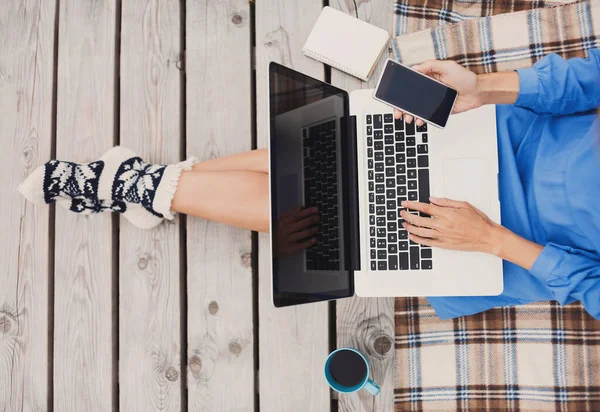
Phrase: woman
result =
(549, 186)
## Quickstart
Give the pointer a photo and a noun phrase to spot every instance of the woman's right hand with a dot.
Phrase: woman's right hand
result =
(464, 81)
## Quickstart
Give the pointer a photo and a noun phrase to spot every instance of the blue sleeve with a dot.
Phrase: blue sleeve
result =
(555, 86)
(570, 274)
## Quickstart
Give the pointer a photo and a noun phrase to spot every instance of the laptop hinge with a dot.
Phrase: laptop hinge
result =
(352, 191)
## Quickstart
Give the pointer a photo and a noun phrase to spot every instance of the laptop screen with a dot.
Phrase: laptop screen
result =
(309, 213)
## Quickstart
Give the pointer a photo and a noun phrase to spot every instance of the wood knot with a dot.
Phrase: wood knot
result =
(213, 308)
(235, 348)
(7, 323)
(195, 365)
(246, 259)
(382, 345)
(142, 263)
(172, 374)
(237, 19)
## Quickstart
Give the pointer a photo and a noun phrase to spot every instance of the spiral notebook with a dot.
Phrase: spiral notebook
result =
(346, 43)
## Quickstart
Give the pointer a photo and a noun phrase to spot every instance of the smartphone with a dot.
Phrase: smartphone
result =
(415, 93)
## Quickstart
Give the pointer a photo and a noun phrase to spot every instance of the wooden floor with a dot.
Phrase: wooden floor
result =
(97, 315)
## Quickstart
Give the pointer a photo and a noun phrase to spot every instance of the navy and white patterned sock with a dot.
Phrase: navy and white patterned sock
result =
(119, 181)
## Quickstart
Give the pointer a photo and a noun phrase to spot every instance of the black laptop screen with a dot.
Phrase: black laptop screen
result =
(308, 197)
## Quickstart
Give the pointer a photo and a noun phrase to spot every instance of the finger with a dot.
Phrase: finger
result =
(424, 67)
(419, 122)
(303, 234)
(421, 231)
(302, 245)
(427, 208)
(418, 220)
(442, 201)
(408, 118)
(303, 213)
(425, 241)
(397, 114)
(304, 223)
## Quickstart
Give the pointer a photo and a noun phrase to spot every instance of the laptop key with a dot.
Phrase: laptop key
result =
(393, 262)
(422, 128)
(370, 163)
(400, 147)
(373, 265)
(391, 226)
(379, 167)
(399, 136)
(401, 180)
(369, 130)
(412, 196)
(391, 215)
(389, 139)
(403, 260)
(379, 156)
(371, 206)
(389, 193)
(422, 161)
(414, 258)
(390, 183)
(369, 119)
(378, 146)
(381, 243)
(371, 197)
(424, 138)
(403, 245)
(399, 124)
(379, 177)
(377, 124)
(400, 169)
(392, 248)
(380, 221)
(390, 172)
(380, 210)
(426, 253)
(389, 150)
(412, 174)
(373, 254)
(388, 128)
(372, 231)
(389, 161)
(400, 158)
(388, 118)
(412, 162)
(412, 184)
(410, 128)
(382, 265)
(381, 254)
(426, 264)
(380, 232)
(370, 152)
(380, 200)
(401, 190)
(392, 237)
(372, 242)
(424, 185)
(422, 149)
(402, 234)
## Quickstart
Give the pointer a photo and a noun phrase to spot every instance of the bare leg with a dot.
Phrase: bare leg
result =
(234, 197)
(254, 161)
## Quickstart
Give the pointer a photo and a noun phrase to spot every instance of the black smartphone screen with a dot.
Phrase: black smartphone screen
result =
(415, 93)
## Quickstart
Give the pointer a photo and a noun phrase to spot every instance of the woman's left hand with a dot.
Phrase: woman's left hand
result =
(453, 225)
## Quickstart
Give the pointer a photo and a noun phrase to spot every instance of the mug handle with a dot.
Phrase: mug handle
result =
(372, 388)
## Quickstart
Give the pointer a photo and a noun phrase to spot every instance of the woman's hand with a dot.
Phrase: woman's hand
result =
(464, 81)
(296, 230)
(453, 225)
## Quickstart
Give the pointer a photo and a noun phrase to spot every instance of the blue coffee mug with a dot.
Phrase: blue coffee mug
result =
(366, 383)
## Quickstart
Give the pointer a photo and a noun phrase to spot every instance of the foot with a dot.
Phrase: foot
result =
(119, 181)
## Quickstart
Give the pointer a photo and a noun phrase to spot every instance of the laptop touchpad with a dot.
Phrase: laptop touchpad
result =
(469, 180)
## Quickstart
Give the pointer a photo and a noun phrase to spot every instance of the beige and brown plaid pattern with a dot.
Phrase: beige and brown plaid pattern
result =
(449, 29)
(537, 357)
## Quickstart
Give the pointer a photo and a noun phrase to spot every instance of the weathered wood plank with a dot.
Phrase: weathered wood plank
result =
(293, 341)
(367, 324)
(219, 123)
(83, 339)
(26, 76)
(150, 123)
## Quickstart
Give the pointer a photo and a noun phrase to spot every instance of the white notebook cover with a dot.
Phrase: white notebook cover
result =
(346, 43)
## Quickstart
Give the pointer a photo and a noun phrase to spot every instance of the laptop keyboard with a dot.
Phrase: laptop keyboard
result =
(321, 190)
(398, 170)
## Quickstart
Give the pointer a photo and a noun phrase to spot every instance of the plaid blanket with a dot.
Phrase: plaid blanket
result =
(448, 29)
(537, 357)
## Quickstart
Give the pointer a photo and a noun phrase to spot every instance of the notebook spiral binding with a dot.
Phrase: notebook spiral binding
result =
(328, 61)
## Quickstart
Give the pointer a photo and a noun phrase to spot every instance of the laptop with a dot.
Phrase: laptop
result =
(345, 155)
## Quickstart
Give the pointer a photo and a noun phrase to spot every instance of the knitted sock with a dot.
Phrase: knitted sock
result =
(119, 181)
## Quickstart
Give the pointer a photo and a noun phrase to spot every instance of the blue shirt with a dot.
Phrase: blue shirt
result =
(549, 182)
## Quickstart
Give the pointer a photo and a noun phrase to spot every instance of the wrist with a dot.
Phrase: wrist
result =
(498, 88)
(496, 240)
